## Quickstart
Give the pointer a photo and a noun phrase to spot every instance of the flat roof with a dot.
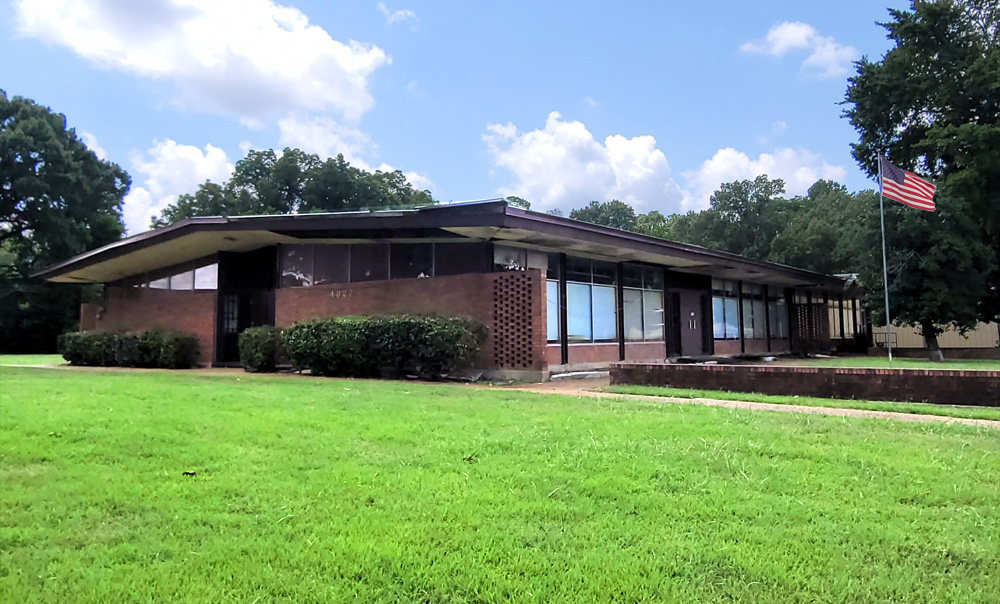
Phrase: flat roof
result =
(488, 220)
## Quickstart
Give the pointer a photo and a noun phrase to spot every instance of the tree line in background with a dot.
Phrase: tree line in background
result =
(932, 104)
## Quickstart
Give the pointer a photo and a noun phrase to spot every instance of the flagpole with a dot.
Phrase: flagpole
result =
(885, 263)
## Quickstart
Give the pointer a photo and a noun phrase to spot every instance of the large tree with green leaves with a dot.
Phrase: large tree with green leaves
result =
(57, 199)
(615, 214)
(932, 104)
(264, 182)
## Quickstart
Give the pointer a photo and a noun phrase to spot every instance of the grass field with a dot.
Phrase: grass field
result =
(900, 363)
(31, 359)
(992, 413)
(182, 487)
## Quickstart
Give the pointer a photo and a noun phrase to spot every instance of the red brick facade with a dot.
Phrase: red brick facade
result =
(509, 304)
(932, 386)
(127, 309)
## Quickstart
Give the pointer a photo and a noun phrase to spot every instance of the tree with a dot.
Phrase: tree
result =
(935, 269)
(615, 214)
(932, 104)
(518, 202)
(295, 182)
(57, 199)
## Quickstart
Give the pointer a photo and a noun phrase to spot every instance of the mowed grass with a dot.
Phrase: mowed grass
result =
(31, 359)
(900, 363)
(969, 412)
(321, 490)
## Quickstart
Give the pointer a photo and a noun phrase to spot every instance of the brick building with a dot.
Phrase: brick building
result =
(555, 293)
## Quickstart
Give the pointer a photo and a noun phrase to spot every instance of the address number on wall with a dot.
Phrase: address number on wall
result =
(342, 293)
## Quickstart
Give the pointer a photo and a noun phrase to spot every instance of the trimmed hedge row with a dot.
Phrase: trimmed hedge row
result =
(393, 346)
(261, 349)
(168, 350)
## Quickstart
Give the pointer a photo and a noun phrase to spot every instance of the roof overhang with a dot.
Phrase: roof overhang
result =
(197, 238)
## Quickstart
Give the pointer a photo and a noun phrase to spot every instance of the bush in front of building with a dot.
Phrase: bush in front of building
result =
(261, 349)
(152, 348)
(396, 346)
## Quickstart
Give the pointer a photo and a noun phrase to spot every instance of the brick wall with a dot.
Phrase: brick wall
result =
(932, 386)
(128, 309)
(470, 296)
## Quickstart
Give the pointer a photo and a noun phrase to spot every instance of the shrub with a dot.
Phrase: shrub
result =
(372, 346)
(138, 349)
(261, 348)
(179, 351)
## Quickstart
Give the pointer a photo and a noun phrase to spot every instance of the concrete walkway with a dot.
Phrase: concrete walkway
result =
(594, 388)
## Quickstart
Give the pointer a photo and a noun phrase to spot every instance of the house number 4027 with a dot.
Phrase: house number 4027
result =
(342, 293)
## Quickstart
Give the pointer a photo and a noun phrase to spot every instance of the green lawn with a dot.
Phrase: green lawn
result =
(321, 490)
(900, 363)
(992, 413)
(31, 359)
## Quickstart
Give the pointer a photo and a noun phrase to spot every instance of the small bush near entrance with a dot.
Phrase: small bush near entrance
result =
(394, 345)
(134, 349)
(261, 348)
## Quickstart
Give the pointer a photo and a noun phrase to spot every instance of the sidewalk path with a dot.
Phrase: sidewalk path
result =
(592, 388)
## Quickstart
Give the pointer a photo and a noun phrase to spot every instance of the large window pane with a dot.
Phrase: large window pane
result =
(296, 265)
(652, 278)
(207, 277)
(732, 318)
(758, 320)
(778, 318)
(163, 283)
(748, 318)
(632, 276)
(411, 260)
(369, 262)
(460, 259)
(578, 312)
(552, 272)
(605, 317)
(509, 258)
(182, 281)
(578, 269)
(605, 273)
(652, 305)
(632, 311)
(331, 264)
(718, 318)
(552, 310)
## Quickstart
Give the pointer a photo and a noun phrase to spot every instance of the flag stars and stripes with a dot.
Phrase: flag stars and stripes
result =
(906, 187)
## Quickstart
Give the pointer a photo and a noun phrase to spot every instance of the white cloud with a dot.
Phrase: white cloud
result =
(799, 168)
(167, 170)
(326, 138)
(563, 166)
(393, 17)
(91, 141)
(592, 102)
(827, 58)
(249, 58)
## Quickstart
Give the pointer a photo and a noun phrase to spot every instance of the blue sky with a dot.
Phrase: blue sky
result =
(558, 102)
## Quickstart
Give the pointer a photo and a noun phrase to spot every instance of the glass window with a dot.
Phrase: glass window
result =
(411, 260)
(509, 259)
(578, 269)
(747, 318)
(632, 276)
(460, 259)
(652, 278)
(632, 309)
(758, 319)
(849, 326)
(605, 317)
(552, 310)
(605, 272)
(163, 283)
(732, 318)
(296, 265)
(369, 262)
(331, 264)
(182, 281)
(719, 318)
(652, 317)
(578, 313)
(778, 316)
(207, 277)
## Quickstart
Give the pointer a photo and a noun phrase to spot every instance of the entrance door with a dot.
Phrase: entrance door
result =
(238, 312)
(246, 297)
(690, 323)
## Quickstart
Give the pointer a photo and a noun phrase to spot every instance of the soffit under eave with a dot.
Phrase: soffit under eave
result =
(177, 250)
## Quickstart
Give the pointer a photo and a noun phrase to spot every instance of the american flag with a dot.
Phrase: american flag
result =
(906, 187)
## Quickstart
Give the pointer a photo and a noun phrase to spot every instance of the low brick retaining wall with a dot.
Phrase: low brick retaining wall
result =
(948, 387)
